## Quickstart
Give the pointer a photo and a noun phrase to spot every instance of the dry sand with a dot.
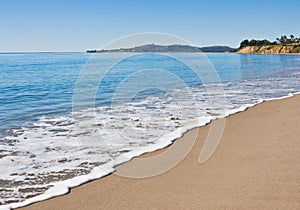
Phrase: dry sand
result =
(256, 166)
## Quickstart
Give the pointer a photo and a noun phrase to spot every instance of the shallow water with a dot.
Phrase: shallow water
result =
(62, 115)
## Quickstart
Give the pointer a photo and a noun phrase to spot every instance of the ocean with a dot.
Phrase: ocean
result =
(67, 118)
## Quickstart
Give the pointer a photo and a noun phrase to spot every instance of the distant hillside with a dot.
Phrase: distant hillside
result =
(217, 49)
(270, 49)
(168, 48)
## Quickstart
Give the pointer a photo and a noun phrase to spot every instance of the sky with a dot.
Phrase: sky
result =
(78, 25)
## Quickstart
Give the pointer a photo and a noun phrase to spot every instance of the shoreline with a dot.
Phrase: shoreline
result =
(87, 185)
(267, 53)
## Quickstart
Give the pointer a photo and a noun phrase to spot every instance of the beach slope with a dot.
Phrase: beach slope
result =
(256, 166)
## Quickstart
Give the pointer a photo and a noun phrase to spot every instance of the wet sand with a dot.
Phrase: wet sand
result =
(255, 166)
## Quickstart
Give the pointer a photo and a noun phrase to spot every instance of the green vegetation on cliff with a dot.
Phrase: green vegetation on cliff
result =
(283, 40)
(281, 45)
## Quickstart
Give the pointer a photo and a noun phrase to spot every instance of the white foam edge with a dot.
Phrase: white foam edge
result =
(63, 187)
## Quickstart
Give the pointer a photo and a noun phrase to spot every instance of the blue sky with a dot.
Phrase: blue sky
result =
(77, 25)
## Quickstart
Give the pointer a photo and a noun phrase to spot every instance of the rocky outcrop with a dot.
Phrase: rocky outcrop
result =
(270, 49)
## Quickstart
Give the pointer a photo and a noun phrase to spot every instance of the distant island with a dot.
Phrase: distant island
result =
(282, 45)
(168, 48)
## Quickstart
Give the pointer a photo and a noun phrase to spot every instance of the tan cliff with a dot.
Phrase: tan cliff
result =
(270, 49)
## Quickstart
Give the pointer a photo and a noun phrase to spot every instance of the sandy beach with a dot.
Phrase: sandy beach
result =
(255, 166)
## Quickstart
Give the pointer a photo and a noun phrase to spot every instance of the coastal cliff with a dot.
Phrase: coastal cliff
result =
(270, 49)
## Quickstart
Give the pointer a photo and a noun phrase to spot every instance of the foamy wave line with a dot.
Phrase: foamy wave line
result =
(63, 187)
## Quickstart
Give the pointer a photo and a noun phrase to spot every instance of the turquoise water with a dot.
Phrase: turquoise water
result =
(38, 84)
(59, 116)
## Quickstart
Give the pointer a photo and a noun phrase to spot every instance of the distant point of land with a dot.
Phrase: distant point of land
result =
(282, 45)
(167, 48)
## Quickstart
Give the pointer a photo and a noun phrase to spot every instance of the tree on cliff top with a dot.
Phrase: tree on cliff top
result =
(282, 40)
